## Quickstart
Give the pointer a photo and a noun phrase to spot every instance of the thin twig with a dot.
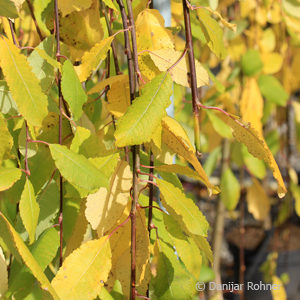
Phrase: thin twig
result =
(11, 26)
(58, 56)
(34, 19)
(192, 73)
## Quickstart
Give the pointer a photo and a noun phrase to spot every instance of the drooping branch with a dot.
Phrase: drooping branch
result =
(192, 73)
(60, 104)
(151, 192)
(34, 19)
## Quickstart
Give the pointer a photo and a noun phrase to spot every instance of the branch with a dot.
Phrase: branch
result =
(192, 74)
(34, 20)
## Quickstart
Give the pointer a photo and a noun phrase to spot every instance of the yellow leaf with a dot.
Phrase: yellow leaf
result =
(120, 245)
(98, 87)
(278, 290)
(151, 33)
(252, 104)
(105, 207)
(258, 201)
(246, 134)
(78, 232)
(119, 98)
(268, 40)
(84, 271)
(92, 59)
(6, 140)
(223, 21)
(165, 58)
(3, 274)
(272, 62)
(81, 30)
(174, 136)
(237, 48)
(68, 6)
(295, 189)
(23, 84)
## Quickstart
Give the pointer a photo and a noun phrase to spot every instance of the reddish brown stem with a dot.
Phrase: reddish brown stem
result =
(27, 171)
(151, 192)
(58, 56)
(34, 19)
(192, 73)
(11, 26)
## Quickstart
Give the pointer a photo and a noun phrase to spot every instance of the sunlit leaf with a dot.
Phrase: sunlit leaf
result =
(8, 176)
(68, 6)
(3, 274)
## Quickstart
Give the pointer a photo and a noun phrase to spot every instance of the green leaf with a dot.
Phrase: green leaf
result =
(84, 280)
(272, 89)
(23, 84)
(213, 33)
(182, 208)
(220, 127)
(77, 169)
(8, 176)
(43, 251)
(230, 189)
(29, 210)
(6, 140)
(211, 162)
(72, 90)
(8, 9)
(171, 280)
(251, 62)
(142, 118)
(20, 251)
(7, 103)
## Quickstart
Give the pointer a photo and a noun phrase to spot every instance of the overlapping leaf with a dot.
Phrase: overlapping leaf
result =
(141, 119)
(23, 84)
(8, 176)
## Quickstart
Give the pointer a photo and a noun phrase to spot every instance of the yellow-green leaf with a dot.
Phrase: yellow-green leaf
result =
(246, 134)
(6, 140)
(165, 58)
(182, 208)
(278, 291)
(23, 84)
(8, 176)
(104, 208)
(213, 33)
(3, 274)
(175, 137)
(77, 169)
(29, 210)
(68, 6)
(258, 201)
(8, 9)
(230, 189)
(72, 90)
(141, 119)
(15, 243)
(93, 58)
(295, 189)
(84, 271)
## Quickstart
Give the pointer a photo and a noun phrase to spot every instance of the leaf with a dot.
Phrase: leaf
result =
(93, 58)
(272, 62)
(295, 189)
(104, 208)
(251, 62)
(272, 90)
(220, 127)
(77, 169)
(278, 291)
(7, 103)
(165, 58)
(68, 6)
(98, 87)
(6, 140)
(256, 145)
(8, 9)
(174, 136)
(183, 170)
(211, 162)
(84, 280)
(230, 189)
(29, 210)
(185, 246)
(213, 33)
(252, 104)
(19, 249)
(258, 201)
(292, 8)
(3, 274)
(171, 280)
(23, 84)
(8, 176)
(81, 135)
(72, 90)
(44, 251)
(141, 119)
(150, 31)
(182, 208)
